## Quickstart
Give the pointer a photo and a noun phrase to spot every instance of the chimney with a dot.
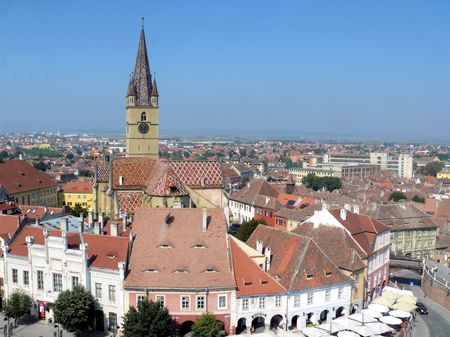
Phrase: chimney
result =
(114, 229)
(37, 222)
(91, 218)
(316, 219)
(356, 209)
(259, 246)
(101, 219)
(97, 228)
(29, 240)
(125, 221)
(268, 256)
(120, 180)
(347, 207)
(205, 220)
(64, 224)
(343, 214)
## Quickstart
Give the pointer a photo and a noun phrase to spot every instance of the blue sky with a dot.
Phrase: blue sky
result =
(230, 67)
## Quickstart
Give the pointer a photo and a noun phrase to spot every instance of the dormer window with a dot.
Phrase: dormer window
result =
(165, 246)
(309, 276)
(180, 271)
(328, 273)
(143, 116)
(151, 270)
(199, 246)
(210, 270)
(173, 189)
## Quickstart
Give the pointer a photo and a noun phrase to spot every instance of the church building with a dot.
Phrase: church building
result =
(140, 178)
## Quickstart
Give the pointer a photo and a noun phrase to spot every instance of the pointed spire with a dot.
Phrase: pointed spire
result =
(154, 87)
(131, 88)
(142, 78)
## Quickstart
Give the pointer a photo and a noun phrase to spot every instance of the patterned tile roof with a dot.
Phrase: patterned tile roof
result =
(164, 182)
(102, 173)
(129, 201)
(199, 174)
(135, 171)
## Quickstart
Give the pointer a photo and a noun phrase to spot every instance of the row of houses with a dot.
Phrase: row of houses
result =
(186, 260)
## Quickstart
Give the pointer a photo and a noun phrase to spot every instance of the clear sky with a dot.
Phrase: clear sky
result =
(230, 67)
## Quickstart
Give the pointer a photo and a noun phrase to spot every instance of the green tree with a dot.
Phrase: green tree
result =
(18, 305)
(397, 196)
(40, 165)
(242, 152)
(77, 209)
(247, 228)
(85, 173)
(69, 156)
(206, 326)
(418, 198)
(431, 169)
(75, 310)
(316, 183)
(150, 319)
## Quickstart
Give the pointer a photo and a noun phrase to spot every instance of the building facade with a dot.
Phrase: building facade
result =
(76, 192)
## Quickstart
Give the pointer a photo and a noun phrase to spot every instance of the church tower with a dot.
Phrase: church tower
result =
(142, 108)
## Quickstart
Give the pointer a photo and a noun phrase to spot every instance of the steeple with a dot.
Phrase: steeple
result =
(142, 78)
(154, 96)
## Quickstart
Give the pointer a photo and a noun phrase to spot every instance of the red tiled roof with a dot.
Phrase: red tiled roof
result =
(9, 224)
(38, 212)
(297, 262)
(256, 188)
(103, 251)
(18, 176)
(172, 250)
(77, 187)
(363, 228)
(250, 278)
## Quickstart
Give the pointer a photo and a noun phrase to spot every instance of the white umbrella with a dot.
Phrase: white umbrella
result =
(363, 330)
(313, 332)
(331, 327)
(378, 307)
(391, 320)
(346, 322)
(407, 299)
(372, 313)
(347, 334)
(399, 314)
(360, 317)
(379, 327)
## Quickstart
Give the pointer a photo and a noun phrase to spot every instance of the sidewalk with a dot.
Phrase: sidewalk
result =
(30, 327)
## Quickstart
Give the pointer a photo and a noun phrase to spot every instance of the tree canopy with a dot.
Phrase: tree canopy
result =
(247, 228)
(150, 319)
(432, 169)
(206, 326)
(75, 309)
(77, 209)
(418, 198)
(397, 196)
(18, 305)
(316, 183)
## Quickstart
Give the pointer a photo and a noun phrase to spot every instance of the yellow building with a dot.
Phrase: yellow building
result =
(77, 192)
(444, 174)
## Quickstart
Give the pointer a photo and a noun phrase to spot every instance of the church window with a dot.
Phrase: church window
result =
(143, 116)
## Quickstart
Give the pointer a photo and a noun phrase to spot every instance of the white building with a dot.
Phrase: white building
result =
(43, 263)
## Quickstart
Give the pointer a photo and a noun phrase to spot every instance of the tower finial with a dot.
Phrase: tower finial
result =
(142, 19)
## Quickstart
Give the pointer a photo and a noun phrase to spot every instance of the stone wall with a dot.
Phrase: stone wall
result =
(436, 290)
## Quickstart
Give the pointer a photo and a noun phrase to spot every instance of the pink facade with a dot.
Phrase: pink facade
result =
(217, 303)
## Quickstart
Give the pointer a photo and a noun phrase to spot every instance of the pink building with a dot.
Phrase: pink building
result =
(374, 238)
(182, 258)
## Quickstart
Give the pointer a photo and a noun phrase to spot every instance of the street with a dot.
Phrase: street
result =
(436, 323)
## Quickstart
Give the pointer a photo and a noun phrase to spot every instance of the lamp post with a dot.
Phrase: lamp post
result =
(7, 330)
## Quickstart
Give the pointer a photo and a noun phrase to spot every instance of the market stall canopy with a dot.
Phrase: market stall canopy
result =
(379, 328)
(391, 320)
(346, 322)
(404, 306)
(331, 327)
(378, 307)
(400, 314)
(363, 330)
(387, 301)
(372, 313)
(347, 334)
(362, 318)
(314, 332)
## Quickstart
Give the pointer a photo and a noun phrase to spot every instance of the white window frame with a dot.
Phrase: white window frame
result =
(140, 298)
(278, 301)
(310, 298)
(218, 302)
(327, 295)
(196, 302)
(261, 303)
(340, 293)
(245, 304)
(158, 299)
(189, 302)
(297, 301)
(57, 276)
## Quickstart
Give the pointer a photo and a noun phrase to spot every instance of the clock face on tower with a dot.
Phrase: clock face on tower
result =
(143, 127)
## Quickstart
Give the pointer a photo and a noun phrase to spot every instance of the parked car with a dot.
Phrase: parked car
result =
(421, 308)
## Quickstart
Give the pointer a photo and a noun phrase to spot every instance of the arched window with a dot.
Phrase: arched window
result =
(143, 116)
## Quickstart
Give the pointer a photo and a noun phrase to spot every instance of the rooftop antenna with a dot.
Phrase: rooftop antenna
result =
(142, 19)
